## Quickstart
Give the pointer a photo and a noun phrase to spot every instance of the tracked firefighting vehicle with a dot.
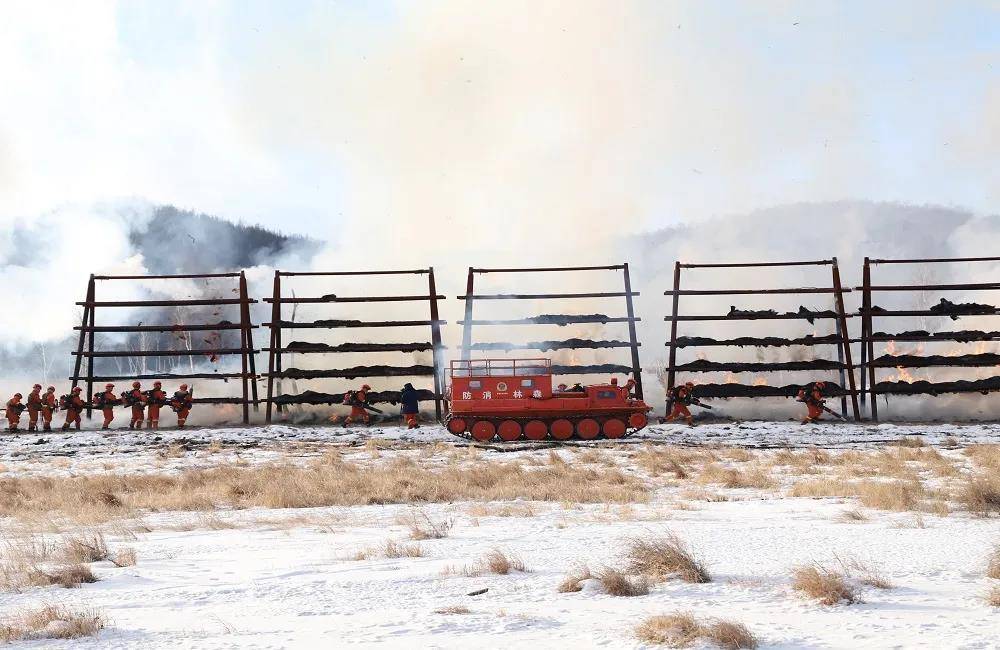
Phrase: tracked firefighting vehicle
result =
(514, 400)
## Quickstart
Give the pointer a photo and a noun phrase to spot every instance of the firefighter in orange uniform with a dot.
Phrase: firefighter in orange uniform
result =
(135, 399)
(680, 398)
(154, 400)
(181, 404)
(106, 402)
(626, 390)
(74, 406)
(356, 399)
(812, 396)
(49, 406)
(14, 408)
(34, 406)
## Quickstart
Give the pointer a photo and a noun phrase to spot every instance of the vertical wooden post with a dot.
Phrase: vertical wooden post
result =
(248, 348)
(636, 367)
(672, 353)
(91, 293)
(84, 323)
(436, 343)
(842, 319)
(868, 327)
(467, 328)
(244, 331)
(272, 348)
(842, 373)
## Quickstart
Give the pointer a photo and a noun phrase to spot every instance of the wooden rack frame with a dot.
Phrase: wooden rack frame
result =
(470, 298)
(868, 338)
(277, 325)
(841, 340)
(88, 328)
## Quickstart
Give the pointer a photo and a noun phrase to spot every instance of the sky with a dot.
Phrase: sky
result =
(523, 119)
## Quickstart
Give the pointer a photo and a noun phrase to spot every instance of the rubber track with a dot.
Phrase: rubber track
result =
(467, 434)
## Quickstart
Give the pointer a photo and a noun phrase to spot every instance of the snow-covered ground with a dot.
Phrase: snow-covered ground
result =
(264, 578)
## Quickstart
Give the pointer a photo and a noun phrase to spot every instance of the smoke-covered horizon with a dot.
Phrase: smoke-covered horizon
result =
(848, 230)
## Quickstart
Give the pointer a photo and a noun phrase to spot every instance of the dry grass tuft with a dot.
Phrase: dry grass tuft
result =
(86, 548)
(390, 550)
(675, 630)
(664, 557)
(51, 622)
(326, 482)
(453, 609)
(993, 564)
(500, 563)
(867, 573)
(124, 557)
(853, 515)
(980, 494)
(681, 629)
(735, 478)
(572, 583)
(985, 456)
(992, 596)
(910, 441)
(423, 527)
(893, 495)
(827, 586)
(616, 583)
(730, 635)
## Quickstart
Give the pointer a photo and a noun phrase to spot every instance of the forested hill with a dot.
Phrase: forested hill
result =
(181, 241)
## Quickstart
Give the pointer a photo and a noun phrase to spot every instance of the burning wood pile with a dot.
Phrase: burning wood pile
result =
(792, 362)
(565, 364)
(904, 383)
(279, 352)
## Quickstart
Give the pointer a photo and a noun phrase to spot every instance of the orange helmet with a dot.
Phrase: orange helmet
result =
(820, 384)
(689, 384)
(614, 381)
(136, 384)
(18, 395)
(37, 387)
(366, 387)
(77, 389)
(184, 386)
(109, 386)
(51, 389)
(157, 384)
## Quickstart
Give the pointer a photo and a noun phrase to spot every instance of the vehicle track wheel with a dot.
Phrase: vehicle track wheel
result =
(561, 429)
(536, 430)
(613, 428)
(587, 428)
(509, 430)
(457, 425)
(638, 420)
(483, 431)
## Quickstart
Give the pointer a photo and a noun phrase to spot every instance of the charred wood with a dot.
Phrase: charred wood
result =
(375, 397)
(568, 344)
(983, 386)
(961, 336)
(802, 312)
(305, 346)
(358, 371)
(932, 360)
(727, 366)
(744, 390)
(954, 310)
(334, 324)
(597, 369)
(765, 341)
(565, 319)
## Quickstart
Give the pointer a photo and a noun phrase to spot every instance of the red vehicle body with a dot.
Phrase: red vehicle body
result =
(514, 399)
